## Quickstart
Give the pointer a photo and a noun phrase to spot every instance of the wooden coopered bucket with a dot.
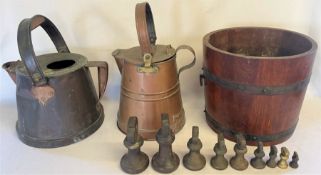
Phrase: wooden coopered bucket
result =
(255, 80)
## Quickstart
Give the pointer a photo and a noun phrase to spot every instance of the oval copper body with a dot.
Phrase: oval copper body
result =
(255, 81)
(150, 79)
(148, 95)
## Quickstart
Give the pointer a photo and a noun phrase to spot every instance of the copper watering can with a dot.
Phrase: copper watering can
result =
(56, 98)
(150, 79)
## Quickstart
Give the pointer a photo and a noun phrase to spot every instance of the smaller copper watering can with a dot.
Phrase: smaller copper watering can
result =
(56, 98)
(150, 79)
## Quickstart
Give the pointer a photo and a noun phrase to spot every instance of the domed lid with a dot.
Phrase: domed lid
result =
(135, 55)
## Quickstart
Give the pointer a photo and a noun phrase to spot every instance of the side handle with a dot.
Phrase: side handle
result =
(102, 67)
(189, 48)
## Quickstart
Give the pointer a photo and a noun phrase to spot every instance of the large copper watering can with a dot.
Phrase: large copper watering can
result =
(150, 80)
(56, 98)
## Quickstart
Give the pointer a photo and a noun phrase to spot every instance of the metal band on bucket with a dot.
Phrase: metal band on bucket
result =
(253, 89)
(249, 137)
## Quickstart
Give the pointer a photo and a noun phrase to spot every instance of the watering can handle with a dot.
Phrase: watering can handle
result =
(145, 27)
(189, 48)
(102, 67)
(26, 48)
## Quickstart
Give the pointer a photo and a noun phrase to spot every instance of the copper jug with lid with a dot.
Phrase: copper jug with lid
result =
(150, 79)
(56, 99)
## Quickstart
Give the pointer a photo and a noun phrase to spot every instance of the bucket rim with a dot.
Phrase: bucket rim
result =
(312, 50)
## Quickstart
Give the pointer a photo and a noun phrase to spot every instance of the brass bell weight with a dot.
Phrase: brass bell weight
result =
(134, 161)
(165, 160)
(194, 160)
(238, 161)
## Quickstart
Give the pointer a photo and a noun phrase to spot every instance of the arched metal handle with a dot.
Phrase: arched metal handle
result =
(189, 48)
(26, 48)
(145, 27)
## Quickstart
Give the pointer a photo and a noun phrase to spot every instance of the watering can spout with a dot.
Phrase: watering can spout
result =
(118, 59)
(10, 67)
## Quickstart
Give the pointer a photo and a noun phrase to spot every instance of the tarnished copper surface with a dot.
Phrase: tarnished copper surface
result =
(150, 80)
(43, 93)
(56, 99)
(10, 67)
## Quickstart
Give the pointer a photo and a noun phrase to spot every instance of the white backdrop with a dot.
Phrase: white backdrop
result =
(97, 27)
(94, 28)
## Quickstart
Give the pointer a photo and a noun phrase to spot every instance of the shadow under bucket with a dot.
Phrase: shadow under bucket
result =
(255, 80)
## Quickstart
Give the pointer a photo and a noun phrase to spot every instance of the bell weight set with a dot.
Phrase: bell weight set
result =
(56, 98)
(167, 161)
(254, 80)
